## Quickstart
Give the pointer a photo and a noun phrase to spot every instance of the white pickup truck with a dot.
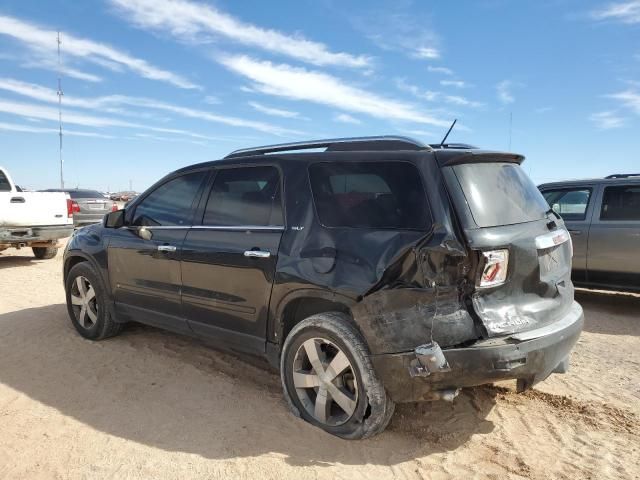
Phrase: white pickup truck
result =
(33, 219)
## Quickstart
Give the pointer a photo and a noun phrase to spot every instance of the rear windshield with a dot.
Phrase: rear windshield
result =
(85, 194)
(500, 194)
(369, 195)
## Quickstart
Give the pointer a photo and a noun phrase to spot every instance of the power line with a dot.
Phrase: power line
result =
(60, 93)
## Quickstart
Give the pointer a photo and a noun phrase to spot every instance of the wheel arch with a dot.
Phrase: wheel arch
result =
(301, 304)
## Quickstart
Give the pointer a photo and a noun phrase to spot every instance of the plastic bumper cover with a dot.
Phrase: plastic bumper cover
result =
(529, 357)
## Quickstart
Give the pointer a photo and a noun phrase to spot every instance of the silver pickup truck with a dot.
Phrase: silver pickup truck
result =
(603, 217)
(33, 219)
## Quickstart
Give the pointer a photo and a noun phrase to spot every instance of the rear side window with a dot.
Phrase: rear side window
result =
(369, 195)
(621, 203)
(570, 204)
(171, 203)
(500, 194)
(247, 196)
(5, 186)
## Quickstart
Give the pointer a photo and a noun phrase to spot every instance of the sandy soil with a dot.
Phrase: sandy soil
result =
(149, 404)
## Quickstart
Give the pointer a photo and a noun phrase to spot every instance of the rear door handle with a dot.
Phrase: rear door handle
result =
(166, 248)
(575, 232)
(257, 254)
(17, 200)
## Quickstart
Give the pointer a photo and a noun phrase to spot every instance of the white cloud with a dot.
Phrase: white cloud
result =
(462, 101)
(346, 118)
(42, 43)
(212, 100)
(430, 95)
(504, 91)
(543, 109)
(624, 12)
(629, 99)
(198, 22)
(442, 70)
(107, 103)
(276, 112)
(430, 53)
(607, 120)
(453, 83)
(318, 87)
(419, 133)
(14, 127)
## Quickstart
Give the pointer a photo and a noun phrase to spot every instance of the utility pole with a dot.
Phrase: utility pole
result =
(60, 111)
(510, 128)
(130, 185)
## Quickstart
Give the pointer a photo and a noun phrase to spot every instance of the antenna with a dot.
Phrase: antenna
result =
(60, 111)
(448, 132)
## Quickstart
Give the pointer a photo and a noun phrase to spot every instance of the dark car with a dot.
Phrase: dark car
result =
(88, 206)
(377, 271)
(603, 217)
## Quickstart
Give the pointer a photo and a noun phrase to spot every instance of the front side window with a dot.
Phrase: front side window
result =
(5, 186)
(621, 203)
(246, 196)
(369, 195)
(171, 203)
(570, 204)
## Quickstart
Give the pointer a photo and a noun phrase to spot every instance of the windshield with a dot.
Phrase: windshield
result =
(500, 194)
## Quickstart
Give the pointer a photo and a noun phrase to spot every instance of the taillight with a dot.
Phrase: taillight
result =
(72, 207)
(495, 268)
(114, 207)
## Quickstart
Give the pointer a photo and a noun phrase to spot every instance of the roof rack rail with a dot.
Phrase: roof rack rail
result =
(622, 175)
(386, 142)
(453, 146)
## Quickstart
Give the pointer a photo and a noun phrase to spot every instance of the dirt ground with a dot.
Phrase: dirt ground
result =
(150, 404)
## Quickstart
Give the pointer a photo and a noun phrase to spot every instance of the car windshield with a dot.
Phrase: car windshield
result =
(500, 194)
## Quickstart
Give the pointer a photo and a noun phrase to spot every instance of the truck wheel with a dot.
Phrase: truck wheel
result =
(329, 380)
(87, 304)
(44, 253)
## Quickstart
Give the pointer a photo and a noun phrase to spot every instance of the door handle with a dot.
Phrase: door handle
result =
(257, 254)
(166, 248)
(575, 232)
(17, 200)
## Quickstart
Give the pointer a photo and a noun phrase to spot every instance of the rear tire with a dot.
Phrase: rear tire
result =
(87, 304)
(44, 253)
(342, 393)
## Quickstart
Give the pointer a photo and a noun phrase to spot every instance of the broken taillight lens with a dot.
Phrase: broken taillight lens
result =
(495, 268)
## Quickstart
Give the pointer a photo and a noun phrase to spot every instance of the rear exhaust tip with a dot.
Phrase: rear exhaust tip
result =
(447, 395)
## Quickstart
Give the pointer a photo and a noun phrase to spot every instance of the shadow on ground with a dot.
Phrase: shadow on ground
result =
(173, 393)
(616, 307)
(17, 260)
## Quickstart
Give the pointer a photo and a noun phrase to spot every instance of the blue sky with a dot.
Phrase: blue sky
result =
(153, 85)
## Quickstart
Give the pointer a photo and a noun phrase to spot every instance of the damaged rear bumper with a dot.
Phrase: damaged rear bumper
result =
(529, 357)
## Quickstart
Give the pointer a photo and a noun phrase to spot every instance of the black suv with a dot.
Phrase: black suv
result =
(376, 271)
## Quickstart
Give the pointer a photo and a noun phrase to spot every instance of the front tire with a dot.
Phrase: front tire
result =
(329, 380)
(44, 253)
(87, 304)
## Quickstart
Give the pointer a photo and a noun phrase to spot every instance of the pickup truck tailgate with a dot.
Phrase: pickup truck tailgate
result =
(33, 209)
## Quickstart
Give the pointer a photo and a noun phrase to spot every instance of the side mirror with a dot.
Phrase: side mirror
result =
(114, 219)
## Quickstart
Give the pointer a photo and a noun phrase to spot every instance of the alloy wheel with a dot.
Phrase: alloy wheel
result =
(83, 301)
(325, 381)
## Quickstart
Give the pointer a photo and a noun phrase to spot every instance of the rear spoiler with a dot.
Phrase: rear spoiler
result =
(448, 158)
